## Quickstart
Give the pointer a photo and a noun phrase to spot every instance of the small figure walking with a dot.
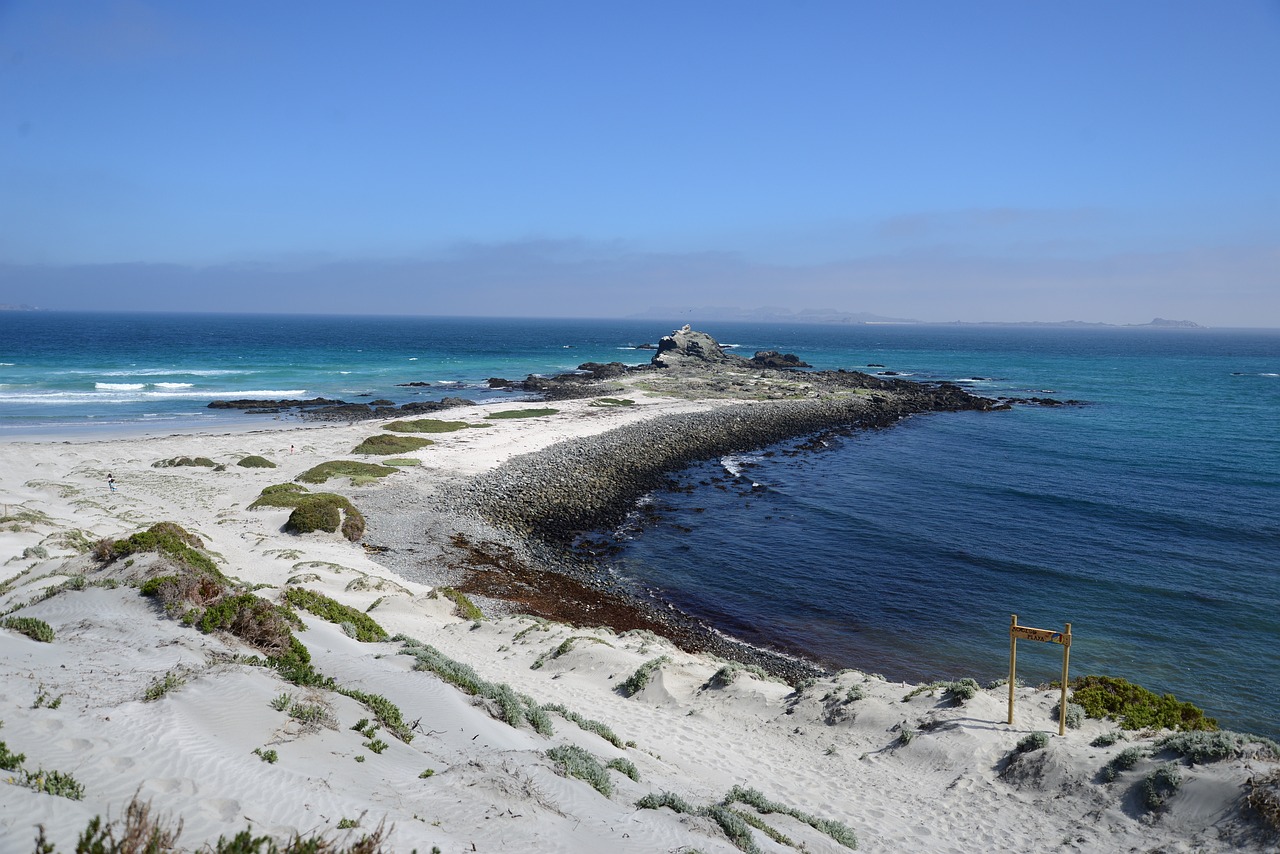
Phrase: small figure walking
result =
(291, 449)
(111, 482)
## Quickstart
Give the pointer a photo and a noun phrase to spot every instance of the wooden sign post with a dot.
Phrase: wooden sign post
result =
(1048, 636)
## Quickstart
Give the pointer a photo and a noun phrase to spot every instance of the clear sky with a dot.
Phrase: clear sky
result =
(1109, 160)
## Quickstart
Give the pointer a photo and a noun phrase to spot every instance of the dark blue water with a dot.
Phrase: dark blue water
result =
(1147, 519)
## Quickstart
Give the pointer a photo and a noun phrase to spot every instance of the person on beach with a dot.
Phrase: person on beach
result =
(111, 482)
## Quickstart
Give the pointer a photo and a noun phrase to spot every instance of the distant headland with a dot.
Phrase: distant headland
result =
(774, 314)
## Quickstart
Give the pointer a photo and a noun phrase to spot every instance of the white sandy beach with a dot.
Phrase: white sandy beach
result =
(190, 753)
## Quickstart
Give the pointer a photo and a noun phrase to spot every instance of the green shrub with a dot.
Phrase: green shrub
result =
(1107, 739)
(670, 800)
(624, 766)
(612, 401)
(314, 516)
(174, 462)
(430, 772)
(1123, 761)
(10, 761)
(1033, 741)
(463, 607)
(384, 445)
(167, 538)
(1134, 707)
(513, 708)
(268, 756)
(1160, 785)
(834, 829)
(1202, 747)
(162, 685)
(367, 629)
(37, 630)
(638, 680)
(426, 425)
(521, 413)
(586, 724)
(344, 468)
(253, 461)
(957, 692)
(387, 713)
(52, 783)
(573, 761)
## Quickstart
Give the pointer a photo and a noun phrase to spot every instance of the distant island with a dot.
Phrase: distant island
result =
(774, 314)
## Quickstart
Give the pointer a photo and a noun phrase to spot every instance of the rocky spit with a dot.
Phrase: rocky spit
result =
(507, 536)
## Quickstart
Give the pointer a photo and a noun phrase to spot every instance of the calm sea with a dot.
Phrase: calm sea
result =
(1149, 519)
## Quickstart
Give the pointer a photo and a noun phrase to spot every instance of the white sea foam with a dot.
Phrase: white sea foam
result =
(131, 395)
(120, 386)
(174, 385)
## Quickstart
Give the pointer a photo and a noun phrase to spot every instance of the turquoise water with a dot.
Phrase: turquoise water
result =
(1147, 519)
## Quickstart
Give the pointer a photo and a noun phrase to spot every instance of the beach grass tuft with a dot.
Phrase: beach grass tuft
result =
(162, 685)
(463, 607)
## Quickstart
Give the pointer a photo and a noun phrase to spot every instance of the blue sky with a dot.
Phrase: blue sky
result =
(1101, 161)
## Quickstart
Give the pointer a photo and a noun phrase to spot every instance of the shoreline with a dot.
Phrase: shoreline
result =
(903, 767)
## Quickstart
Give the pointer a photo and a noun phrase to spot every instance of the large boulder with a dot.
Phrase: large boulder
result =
(686, 347)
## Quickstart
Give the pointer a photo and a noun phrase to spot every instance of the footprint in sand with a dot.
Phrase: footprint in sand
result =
(119, 763)
(224, 808)
(76, 745)
(170, 785)
(47, 726)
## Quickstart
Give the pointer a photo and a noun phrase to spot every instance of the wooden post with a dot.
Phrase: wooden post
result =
(1013, 661)
(1066, 658)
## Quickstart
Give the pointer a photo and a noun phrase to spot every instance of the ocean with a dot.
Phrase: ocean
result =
(1147, 518)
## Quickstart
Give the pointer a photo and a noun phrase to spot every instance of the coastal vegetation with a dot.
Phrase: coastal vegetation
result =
(636, 682)
(175, 462)
(573, 761)
(365, 628)
(521, 413)
(358, 472)
(37, 630)
(384, 445)
(428, 425)
(462, 606)
(1134, 707)
(313, 511)
(140, 832)
(736, 823)
(253, 461)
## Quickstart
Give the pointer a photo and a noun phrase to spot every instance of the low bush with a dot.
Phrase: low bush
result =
(1203, 747)
(1033, 741)
(1134, 707)
(167, 538)
(512, 707)
(521, 413)
(644, 673)
(1264, 797)
(387, 713)
(1160, 785)
(162, 685)
(344, 468)
(624, 766)
(841, 833)
(37, 630)
(612, 401)
(426, 425)
(253, 461)
(175, 462)
(1123, 761)
(138, 832)
(384, 445)
(463, 607)
(573, 761)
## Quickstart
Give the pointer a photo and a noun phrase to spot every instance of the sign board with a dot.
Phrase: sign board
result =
(1046, 635)
(1062, 638)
